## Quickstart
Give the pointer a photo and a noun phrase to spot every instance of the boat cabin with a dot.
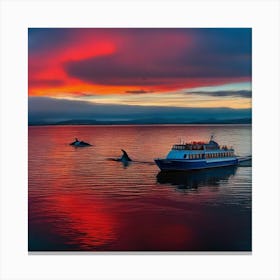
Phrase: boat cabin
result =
(200, 150)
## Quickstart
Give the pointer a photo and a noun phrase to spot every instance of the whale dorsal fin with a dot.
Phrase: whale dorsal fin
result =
(125, 156)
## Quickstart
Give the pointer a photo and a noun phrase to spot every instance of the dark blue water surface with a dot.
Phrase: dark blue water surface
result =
(80, 200)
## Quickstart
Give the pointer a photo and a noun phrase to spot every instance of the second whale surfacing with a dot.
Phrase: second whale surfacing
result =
(124, 158)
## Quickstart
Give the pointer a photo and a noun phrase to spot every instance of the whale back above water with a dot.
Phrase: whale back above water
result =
(78, 143)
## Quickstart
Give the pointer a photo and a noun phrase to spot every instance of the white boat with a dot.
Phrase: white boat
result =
(197, 155)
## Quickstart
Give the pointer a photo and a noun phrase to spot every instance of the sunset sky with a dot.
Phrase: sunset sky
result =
(147, 67)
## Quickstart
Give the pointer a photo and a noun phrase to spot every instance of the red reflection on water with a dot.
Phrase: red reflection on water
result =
(81, 201)
(93, 224)
(66, 182)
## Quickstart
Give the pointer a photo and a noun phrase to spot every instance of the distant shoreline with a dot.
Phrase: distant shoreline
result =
(169, 124)
(148, 121)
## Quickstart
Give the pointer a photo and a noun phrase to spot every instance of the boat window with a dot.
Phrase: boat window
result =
(185, 155)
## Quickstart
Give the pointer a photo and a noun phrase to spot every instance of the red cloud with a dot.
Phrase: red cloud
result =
(121, 60)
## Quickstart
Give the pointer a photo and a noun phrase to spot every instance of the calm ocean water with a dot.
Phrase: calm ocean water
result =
(80, 200)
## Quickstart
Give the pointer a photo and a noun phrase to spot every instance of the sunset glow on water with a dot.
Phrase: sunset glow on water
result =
(80, 200)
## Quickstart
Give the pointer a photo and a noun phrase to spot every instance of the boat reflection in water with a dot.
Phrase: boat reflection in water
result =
(184, 180)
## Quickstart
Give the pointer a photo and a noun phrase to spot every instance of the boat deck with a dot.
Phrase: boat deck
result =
(243, 159)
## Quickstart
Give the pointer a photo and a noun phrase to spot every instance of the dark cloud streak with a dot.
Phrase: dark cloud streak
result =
(140, 91)
(223, 93)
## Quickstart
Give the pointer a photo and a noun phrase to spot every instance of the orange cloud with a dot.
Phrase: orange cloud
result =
(121, 61)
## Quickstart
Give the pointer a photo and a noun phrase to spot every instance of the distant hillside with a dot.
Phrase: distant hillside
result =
(50, 111)
(142, 121)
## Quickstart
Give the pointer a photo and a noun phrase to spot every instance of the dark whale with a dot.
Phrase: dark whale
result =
(125, 156)
(78, 143)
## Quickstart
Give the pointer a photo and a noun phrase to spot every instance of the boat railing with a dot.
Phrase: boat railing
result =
(199, 147)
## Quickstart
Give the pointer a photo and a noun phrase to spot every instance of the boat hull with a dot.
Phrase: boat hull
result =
(176, 164)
